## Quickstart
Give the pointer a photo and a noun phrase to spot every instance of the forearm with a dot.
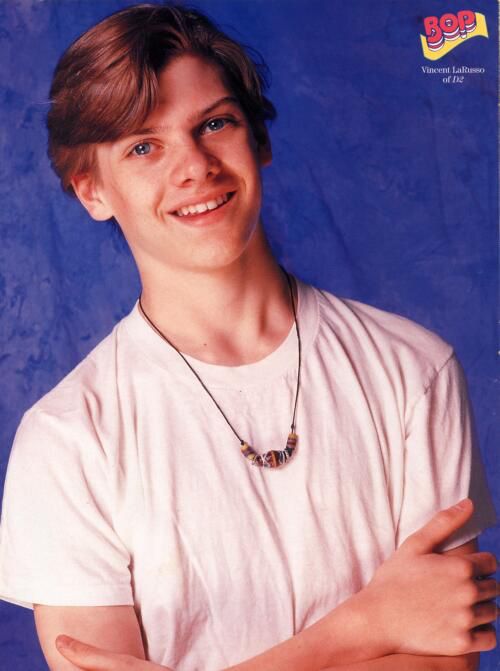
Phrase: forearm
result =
(413, 663)
(346, 640)
(332, 640)
(305, 654)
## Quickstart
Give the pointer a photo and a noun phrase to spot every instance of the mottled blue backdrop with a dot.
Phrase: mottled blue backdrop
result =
(383, 188)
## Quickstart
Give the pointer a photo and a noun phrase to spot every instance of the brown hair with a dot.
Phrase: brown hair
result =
(106, 83)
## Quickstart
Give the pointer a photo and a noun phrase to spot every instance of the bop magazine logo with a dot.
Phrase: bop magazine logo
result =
(449, 31)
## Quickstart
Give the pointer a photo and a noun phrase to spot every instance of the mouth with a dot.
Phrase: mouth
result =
(200, 211)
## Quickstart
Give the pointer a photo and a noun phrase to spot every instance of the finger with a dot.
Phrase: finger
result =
(439, 528)
(487, 589)
(483, 638)
(484, 613)
(484, 563)
(89, 657)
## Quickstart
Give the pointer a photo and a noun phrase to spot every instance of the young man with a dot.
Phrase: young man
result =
(237, 476)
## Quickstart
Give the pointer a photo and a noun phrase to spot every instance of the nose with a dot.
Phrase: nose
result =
(191, 162)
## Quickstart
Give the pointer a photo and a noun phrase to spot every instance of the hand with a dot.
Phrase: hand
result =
(427, 603)
(91, 658)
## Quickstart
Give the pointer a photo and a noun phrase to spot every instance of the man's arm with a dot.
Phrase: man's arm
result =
(113, 628)
(89, 658)
(352, 633)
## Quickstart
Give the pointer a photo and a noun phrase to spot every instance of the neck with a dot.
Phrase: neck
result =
(230, 316)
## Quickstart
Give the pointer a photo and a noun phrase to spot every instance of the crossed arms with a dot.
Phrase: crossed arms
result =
(422, 610)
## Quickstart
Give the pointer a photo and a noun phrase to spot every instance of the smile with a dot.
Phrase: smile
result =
(200, 208)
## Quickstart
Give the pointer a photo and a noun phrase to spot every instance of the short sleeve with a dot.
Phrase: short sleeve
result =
(57, 542)
(442, 460)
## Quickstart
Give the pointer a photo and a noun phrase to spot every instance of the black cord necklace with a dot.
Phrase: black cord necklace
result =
(272, 458)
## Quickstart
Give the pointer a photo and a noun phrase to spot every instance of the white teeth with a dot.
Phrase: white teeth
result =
(198, 208)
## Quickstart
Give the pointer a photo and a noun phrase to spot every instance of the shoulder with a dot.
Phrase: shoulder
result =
(93, 376)
(381, 345)
(77, 409)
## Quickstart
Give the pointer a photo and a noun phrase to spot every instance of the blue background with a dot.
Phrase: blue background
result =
(383, 188)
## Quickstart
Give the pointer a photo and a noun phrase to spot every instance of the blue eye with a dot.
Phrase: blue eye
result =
(214, 125)
(142, 149)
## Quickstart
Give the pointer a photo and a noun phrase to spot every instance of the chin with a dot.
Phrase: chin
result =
(222, 254)
(208, 255)
(220, 257)
(214, 263)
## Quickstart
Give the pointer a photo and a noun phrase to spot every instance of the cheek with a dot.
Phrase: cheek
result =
(133, 195)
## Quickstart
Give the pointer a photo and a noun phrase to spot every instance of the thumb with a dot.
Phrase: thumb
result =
(439, 528)
(90, 658)
(85, 656)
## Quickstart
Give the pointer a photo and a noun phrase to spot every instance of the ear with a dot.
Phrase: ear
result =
(90, 195)
(264, 150)
(265, 154)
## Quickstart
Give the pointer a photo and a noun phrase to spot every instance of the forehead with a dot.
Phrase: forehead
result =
(187, 76)
(187, 86)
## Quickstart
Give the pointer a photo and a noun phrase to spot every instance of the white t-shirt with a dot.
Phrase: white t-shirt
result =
(126, 486)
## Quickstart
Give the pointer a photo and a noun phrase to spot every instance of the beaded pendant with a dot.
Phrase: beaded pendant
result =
(273, 458)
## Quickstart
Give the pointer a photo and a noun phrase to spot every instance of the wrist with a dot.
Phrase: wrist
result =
(358, 629)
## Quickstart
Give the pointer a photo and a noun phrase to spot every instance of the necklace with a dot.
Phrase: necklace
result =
(272, 458)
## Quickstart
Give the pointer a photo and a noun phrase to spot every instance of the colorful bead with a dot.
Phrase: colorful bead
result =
(272, 458)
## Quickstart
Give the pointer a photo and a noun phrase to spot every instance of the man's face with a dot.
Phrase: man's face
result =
(196, 151)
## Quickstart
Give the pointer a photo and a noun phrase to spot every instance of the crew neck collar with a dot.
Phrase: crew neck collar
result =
(281, 360)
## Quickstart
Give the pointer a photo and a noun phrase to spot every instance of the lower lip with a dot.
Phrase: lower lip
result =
(205, 218)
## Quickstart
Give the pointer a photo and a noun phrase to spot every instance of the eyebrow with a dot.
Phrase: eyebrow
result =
(226, 100)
